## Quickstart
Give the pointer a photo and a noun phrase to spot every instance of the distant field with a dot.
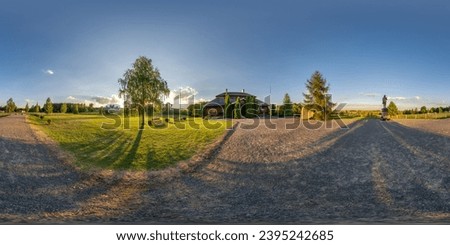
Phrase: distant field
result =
(120, 148)
(373, 114)
(424, 116)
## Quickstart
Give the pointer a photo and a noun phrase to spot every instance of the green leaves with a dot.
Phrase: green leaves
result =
(317, 98)
(10, 106)
(143, 85)
(287, 105)
(392, 109)
(228, 106)
(63, 108)
(237, 108)
(48, 106)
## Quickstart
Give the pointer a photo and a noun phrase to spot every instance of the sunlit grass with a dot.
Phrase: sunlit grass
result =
(151, 148)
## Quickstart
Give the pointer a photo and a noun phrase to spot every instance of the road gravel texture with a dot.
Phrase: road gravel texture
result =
(372, 172)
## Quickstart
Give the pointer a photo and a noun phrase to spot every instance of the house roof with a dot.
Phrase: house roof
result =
(220, 99)
(234, 94)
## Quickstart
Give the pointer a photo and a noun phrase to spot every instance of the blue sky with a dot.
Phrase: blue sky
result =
(76, 50)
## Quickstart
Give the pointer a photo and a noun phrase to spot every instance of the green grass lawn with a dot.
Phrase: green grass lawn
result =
(151, 148)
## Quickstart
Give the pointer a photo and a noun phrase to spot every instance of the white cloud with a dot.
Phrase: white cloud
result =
(97, 100)
(417, 97)
(201, 100)
(103, 100)
(115, 99)
(370, 94)
(184, 94)
(49, 72)
(397, 98)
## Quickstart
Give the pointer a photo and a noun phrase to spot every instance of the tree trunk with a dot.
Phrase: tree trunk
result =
(141, 117)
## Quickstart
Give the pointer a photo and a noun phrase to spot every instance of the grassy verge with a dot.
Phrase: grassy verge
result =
(4, 115)
(151, 148)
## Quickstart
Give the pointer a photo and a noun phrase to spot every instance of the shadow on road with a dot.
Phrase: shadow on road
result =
(36, 185)
(365, 175)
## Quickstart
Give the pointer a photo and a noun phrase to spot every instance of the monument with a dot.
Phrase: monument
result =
(384, 110)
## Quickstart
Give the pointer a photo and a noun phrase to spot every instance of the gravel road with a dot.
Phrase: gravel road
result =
(39, 185)
(372, 172)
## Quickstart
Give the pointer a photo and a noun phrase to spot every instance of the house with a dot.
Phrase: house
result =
(216, 107)
(112, 108)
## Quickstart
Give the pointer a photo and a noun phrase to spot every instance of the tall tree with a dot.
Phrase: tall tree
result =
(228, 112)
(280, 110)
(143, 85)
(75, 109)
(10, 106)
(48, 106)
(37, 108)
(287, 105)
(63, 108)
(392, 109)
(296, 109)
(82, 107)
(27, 108)
(273, 110)
(91, 107)
(317, 97)
(423, 110)
(237, 108)
(251, 108)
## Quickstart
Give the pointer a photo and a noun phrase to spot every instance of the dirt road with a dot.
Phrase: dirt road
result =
(372, 172)
(39, 185)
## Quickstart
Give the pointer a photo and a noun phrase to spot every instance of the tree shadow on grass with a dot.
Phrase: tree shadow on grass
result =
(130, 157)
(151, 160)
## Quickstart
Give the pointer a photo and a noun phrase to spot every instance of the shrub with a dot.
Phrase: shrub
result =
(49, 121)
(41, 117)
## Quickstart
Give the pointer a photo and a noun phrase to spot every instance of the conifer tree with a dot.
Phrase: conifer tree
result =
(48, 106)
(317, 97)
(237, 108)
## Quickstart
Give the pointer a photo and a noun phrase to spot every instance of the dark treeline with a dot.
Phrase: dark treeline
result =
(424, 110)
(69, 108)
